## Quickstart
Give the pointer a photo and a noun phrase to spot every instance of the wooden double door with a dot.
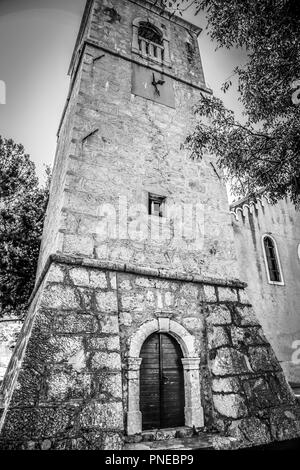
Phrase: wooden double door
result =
(161, 383)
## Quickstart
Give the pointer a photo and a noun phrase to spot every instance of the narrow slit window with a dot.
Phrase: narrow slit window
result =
(272, 261)
(156, 205)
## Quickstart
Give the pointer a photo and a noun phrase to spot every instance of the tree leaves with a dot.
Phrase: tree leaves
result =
(253, 159)
(263, 154)
(22, 210)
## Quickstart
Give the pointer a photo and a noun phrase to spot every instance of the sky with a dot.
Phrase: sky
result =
(37, 38)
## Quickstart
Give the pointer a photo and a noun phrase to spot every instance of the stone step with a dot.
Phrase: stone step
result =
(168, 433)
(203, 441)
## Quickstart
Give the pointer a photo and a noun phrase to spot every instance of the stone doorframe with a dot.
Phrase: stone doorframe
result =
(193, 410)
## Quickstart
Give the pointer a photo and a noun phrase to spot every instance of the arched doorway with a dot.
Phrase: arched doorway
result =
(162, 399)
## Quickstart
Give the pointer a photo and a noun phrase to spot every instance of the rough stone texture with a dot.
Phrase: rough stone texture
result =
(67, 366)
(137, 149)
(64, 382)
(276, 307)
(230, 405)
(67, 383)
(250, 393)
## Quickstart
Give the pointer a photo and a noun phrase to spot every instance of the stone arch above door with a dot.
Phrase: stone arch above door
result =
(190, 362)
(162, 325)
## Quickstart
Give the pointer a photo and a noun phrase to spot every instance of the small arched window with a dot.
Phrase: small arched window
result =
(272, 261)
(151, 41)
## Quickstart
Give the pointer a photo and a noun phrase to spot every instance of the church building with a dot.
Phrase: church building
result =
(140, 326)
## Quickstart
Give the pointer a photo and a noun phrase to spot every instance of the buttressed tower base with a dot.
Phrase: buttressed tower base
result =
(138, 321)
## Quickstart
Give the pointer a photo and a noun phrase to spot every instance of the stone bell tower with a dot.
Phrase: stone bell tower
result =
(138, 321)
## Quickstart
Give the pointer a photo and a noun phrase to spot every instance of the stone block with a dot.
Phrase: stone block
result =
(228, 361)
(56, 274)
(75, 324)
(226, 385)
(134, 301)
(227, 294)
(126, 318)
(102, 415)
(125, 285)
(230, 405)
(193, 324)
(250, 431)
(109, 343)
(69, 350)
(109, 324)
(285, 423)
(218, 315)
(105, 360)
(247, 336)
(243, 295)
(263, 359)
(210, 293)
(80, 277)
(98, 280)
(107, 301)
(261, 393)
(169, 299)
(189, 290)
(112, 442)
(112, 384)
(24, 424)
(77, 245)
(86, 298)
(245, 316)
(145, 282)
(217, 337)
(60, 297)
(67, 385)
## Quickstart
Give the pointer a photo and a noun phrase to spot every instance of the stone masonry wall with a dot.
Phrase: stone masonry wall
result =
(66, 387)
(243, 389)
(63, 388)
(135, 146)
(138, 149)
(143, 298)
(51, 236)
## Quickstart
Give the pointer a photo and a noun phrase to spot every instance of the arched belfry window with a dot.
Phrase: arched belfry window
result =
(150, 41)
(272, 261)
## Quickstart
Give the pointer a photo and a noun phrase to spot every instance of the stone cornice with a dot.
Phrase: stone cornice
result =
(167, 274)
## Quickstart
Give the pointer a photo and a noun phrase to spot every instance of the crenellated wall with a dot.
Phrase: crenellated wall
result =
(276, 306)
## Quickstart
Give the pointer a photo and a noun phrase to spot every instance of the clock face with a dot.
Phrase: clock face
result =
(152, 85)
